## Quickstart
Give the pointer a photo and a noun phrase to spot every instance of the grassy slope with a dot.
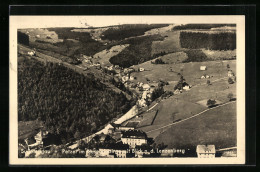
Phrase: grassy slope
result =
(214, 127)
(170, 43)
(186, 104)
(191, 71)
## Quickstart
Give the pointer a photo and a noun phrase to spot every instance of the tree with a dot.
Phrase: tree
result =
(77, 135)
(230, 81)
(228, 66)
(230, 96)
(211, 103)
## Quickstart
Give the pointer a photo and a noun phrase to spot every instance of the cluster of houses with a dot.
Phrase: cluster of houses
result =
(128, 143)
(127, 138)
(131, 143)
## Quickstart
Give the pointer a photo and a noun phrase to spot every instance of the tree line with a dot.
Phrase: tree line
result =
(128, 30)
(201, 26)
(211, 41)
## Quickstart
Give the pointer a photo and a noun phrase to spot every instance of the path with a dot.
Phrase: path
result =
(189, 117)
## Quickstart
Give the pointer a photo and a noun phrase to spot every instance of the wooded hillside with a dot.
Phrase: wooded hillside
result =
(71, 105)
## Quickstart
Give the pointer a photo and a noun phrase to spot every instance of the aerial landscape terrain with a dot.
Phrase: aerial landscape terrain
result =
(101, 91)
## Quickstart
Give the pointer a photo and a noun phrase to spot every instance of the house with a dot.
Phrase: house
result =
(110, 131)
(186, 87)
(144, 95)
(118, 150)
(134, 138)
(115, 126)
(131, 78)
(142, 103)
(203, 67)
(146, 87)
(177, 91)
(206, 151)
(204, 76)
(110, 68)
(141, 69)
(105, 152)
(230, 73)
(126, 128)
(31, 53)
(125, 78)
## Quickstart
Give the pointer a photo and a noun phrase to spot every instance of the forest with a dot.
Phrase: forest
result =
(128, 30)
(137, 52)
(70, 104)
(201, 26)
(211, 41)
(22, 38)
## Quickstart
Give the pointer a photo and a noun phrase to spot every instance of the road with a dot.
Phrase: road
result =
(190, 117)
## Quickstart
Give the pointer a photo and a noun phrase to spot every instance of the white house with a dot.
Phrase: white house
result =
(186, 87)
(206, 151)
(31, 53)
(134, 138)
(131, 78)
(203, 67)
(141, 69)
(125, 78)
(142, 103)
(104, 152)
(146, 87)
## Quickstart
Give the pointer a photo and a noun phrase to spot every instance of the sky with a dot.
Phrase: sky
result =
(100, 21)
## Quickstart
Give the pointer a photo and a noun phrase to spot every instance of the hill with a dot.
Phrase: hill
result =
(128, 30)
(217, 127)
(70, 104)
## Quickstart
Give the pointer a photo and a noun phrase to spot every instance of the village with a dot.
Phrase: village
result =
(122, 138)
(177, 93)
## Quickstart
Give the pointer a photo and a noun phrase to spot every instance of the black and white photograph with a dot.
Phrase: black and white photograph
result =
(127, 90)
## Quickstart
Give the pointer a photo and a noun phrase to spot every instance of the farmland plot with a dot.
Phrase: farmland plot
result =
(217, 127)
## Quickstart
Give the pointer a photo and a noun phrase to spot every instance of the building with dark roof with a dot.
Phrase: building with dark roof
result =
(134, 138)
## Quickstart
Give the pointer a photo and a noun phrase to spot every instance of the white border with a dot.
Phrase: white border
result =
(17, 22)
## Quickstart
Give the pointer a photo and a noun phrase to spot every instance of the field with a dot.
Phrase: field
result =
(42, 35)
(104, 56)
(173, 58)
(170, 43)
(217, 55)
(217, 127)
(190, 71)
(188, 103)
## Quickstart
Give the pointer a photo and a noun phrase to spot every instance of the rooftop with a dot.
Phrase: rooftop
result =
(206, 149)
(115, 146)
(134, 134)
